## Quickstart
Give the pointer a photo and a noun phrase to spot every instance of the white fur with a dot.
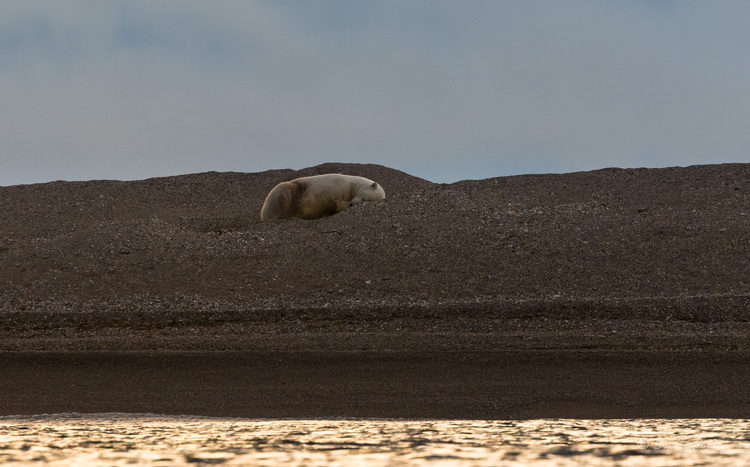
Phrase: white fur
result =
(319, 196)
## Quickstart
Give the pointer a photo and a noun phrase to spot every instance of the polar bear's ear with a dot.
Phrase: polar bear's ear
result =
(374, 185)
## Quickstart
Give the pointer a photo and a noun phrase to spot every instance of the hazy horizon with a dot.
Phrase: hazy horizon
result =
(444, 91)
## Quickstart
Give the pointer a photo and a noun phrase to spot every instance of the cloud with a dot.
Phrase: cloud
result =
(443, 90)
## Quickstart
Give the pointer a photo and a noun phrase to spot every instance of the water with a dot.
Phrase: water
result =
(144, 439)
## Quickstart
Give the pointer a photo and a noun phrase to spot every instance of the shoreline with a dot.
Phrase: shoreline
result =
(397, 384)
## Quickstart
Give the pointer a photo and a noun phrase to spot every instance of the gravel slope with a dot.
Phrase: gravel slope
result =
(615, 258)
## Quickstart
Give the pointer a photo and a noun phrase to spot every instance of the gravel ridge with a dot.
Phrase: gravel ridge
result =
(613, 258)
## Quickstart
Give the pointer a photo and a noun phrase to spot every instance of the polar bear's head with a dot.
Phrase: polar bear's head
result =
(370, 191)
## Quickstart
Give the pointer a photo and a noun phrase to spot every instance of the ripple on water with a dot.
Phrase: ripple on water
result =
(128, 439)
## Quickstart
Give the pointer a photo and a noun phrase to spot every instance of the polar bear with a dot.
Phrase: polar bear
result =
(319, 196)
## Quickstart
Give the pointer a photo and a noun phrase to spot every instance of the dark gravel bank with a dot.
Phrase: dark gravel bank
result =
(605, 262)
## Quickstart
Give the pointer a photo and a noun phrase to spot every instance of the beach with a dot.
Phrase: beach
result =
(618, 293)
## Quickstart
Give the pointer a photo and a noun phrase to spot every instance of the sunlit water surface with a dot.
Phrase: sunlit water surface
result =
(145, 439)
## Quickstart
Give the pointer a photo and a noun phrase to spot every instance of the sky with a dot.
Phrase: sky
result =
(443, 90)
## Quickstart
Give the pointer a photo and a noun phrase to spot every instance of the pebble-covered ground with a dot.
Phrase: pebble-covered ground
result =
(615, 258)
